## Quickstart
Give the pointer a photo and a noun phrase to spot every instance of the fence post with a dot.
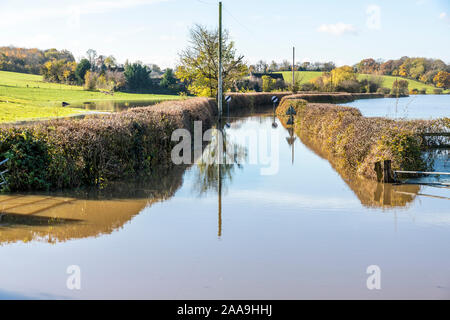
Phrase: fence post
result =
(378, 171)
(387, 172)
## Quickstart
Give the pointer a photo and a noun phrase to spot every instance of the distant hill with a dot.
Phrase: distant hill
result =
(306, 76)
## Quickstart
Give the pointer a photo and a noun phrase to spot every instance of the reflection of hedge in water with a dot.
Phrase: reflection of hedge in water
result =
(95, 150)
(358, 142)
(369, 192)
(55, 217)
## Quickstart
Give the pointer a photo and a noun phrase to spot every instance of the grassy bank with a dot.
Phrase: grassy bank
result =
(357, 142)
(306, 76)
(26, 96)
(96, 150)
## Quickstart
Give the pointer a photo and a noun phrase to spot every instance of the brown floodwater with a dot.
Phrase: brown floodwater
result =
(309, 230)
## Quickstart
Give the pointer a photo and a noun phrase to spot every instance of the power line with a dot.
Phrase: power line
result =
(208, 3)
(241, 24)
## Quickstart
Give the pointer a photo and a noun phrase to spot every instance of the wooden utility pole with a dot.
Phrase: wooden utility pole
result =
(293, 67)
(220, 85)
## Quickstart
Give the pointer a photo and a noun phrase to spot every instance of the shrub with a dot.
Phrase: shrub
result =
(358, 142)
(414, 91)
(400, 87)
(383, 90)
(268, 83)
(352, 86)
(437, 91)
(90, 81)
(96, 150)
(423, 91)
(307, 87)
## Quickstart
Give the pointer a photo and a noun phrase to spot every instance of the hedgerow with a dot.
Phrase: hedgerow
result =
(95, 150)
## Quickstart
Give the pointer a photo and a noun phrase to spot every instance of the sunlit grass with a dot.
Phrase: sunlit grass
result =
(302, 76)
(25, 96)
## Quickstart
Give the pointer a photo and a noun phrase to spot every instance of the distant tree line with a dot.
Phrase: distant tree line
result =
(263, 67)
(30, 60)
(94, 72)
(430, 71)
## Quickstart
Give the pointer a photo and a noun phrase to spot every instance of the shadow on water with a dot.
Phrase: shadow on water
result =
(65, 215)
(370, 193)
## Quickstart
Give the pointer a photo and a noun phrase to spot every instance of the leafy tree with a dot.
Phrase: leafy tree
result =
(341, 74)
(442, 80)
(137, 77)
(368, 66)
(199, 62)
(400, 87)
(268, 83)
(168, 80)
(110, 62)
(92, 56)
(274, 66)
(81, 69)
(59, 71)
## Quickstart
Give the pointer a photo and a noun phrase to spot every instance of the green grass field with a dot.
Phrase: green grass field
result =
(306, 76)
(302, 76)
(27, 97)
(388, 81)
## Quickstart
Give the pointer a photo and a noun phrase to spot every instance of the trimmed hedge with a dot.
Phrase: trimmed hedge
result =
(358, 141)
(95, 150)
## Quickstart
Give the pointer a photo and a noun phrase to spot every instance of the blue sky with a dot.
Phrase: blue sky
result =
(154, 31)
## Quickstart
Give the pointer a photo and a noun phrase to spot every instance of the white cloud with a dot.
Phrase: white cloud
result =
(337, 29)
(443, 15)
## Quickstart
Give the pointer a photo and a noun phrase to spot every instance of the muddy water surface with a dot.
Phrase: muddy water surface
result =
(306, 231)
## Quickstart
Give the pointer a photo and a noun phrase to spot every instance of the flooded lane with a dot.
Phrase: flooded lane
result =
(413, 107)
(305, 232)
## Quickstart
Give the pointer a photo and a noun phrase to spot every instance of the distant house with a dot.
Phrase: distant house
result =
(254, 76)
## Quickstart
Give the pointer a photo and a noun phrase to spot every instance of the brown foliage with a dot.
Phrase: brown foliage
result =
(361, 141)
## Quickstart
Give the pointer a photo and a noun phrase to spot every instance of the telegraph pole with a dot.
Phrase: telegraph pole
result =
(293, 65)
(220, 88)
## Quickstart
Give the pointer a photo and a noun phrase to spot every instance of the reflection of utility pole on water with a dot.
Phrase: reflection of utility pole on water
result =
(291, 140)
(221, 157)
(219, 196)
(219, 128)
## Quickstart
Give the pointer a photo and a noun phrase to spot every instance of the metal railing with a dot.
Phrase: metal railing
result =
(2, 177)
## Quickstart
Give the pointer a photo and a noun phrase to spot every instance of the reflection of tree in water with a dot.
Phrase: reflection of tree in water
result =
(209, 172)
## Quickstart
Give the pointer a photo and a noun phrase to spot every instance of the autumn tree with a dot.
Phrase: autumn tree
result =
(400, 87)
(59, 71)
(442, 80)
(199, 62)
(369, 66)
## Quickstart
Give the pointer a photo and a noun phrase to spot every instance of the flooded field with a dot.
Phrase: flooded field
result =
(113, 105)
(200, 232)
(412, 107)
